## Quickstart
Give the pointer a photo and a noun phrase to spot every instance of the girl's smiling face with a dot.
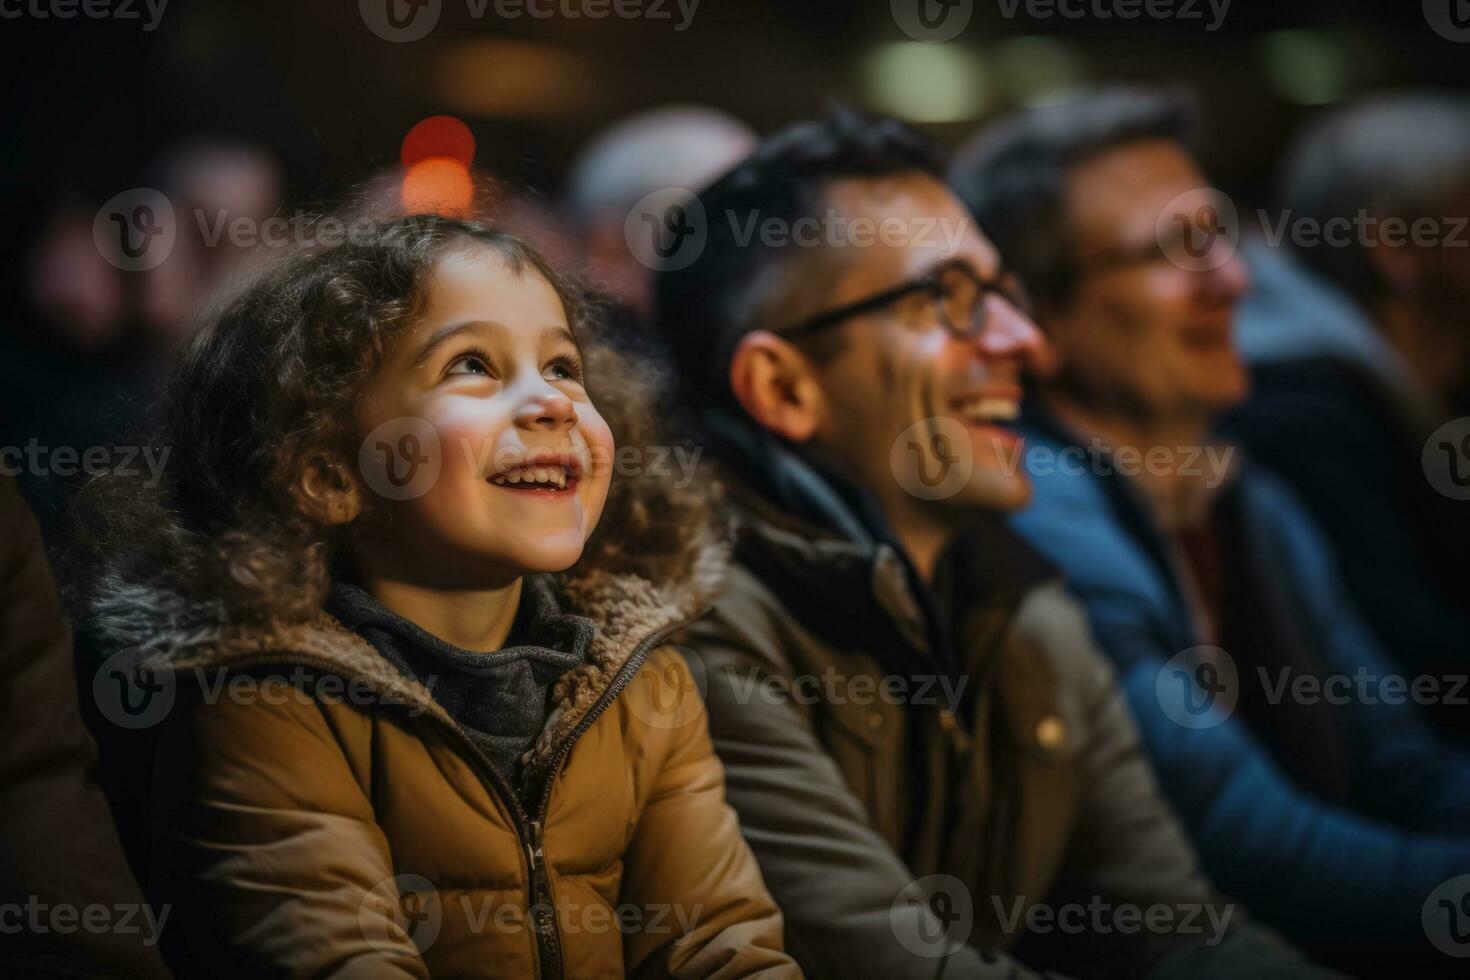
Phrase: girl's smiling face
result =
(490, 372)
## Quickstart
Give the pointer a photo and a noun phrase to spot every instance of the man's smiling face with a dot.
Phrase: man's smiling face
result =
(900, 365)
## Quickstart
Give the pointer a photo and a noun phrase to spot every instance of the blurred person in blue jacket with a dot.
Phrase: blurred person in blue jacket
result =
(1279, 727)
(1357, 334)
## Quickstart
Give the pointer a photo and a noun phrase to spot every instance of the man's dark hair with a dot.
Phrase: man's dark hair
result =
(1402, 156)
(1013, 175)
(736, 285)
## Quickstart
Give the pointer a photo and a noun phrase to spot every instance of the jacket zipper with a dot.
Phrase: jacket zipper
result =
(532, 849)
(529, 832)
(542, 907)
(548, 934)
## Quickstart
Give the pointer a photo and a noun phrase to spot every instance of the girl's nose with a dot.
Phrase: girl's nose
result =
(548, 409)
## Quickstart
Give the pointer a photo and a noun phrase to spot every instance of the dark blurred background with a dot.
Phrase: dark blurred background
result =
(260, 108)
(93, 103)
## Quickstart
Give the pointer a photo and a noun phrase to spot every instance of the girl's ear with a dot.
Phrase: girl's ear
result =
(328, 490)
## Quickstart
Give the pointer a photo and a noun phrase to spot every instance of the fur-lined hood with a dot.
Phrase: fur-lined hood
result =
(154, 626)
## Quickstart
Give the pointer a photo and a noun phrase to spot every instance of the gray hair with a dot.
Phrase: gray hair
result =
(674, 146)
(1399, 156)
(1013, 175)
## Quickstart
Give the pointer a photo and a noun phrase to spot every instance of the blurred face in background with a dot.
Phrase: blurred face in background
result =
(1148, 332)
(905, 397)
(1432, 282)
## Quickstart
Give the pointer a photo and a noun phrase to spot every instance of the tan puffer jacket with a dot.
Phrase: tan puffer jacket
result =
(318, 814)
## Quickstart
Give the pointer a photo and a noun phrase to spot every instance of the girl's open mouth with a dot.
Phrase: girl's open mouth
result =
(553, 476)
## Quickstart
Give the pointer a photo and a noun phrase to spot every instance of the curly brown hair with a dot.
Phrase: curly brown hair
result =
(268, 384)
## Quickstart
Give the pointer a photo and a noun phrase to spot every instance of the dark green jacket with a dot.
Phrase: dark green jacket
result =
(872, 741)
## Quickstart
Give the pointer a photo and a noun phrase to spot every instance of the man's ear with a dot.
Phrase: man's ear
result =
(776, 385)
(328, 490)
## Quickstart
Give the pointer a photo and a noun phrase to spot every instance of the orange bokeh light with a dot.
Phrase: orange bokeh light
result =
(438, 186)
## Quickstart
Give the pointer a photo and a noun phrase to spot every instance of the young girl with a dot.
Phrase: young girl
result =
(392, 741)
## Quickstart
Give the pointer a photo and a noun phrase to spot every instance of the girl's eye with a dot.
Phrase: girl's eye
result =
(565, 368)
(471, 363)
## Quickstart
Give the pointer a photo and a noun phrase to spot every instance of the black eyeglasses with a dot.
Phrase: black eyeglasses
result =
(958, 292)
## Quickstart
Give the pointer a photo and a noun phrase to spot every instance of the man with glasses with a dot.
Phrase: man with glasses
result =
(928, 757)
(1287, 741)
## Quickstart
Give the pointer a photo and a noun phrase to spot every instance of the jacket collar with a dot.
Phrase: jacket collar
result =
(821, 542)
(1127, 505)
(797, 484)
(156, 628)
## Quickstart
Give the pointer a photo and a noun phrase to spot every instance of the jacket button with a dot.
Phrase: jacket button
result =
(1050, 732)
(875, 719)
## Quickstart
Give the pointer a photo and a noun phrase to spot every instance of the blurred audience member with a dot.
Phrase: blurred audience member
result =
(73, 377)
(1325, 804)
(73, 286)
(671, 147)
(81, 360)
(1358, 335)
(998, 779)
(71, 906)
(222, 195)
